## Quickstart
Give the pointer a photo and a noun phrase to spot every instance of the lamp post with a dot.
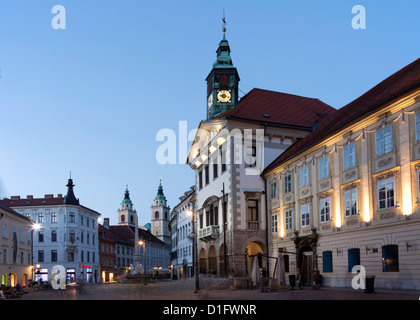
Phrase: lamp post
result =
(193, 214)
(143, 244)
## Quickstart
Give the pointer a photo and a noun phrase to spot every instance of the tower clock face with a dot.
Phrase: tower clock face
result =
(210, 100)
(223, 96)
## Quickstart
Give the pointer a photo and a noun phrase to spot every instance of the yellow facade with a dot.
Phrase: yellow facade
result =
(16, 249)
(353, 197)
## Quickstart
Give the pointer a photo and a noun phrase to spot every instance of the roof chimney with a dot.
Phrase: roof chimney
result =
(106, 223)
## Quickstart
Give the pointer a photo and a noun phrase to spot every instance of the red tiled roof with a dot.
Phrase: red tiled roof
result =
(33, 201)
(126, 234)
(397, 85)
(278, 108)
(16, 201)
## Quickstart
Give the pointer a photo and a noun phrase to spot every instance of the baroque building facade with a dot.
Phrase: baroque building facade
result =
(231, 149)
(348, 194)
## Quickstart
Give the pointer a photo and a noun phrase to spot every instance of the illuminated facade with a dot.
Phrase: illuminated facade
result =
(67, 235)
(16, 248)
(349, 193)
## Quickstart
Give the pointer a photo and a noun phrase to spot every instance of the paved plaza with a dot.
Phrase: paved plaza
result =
(184, 290)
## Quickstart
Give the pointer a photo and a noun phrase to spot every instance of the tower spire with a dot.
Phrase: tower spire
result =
(224, 23)
(70, 198)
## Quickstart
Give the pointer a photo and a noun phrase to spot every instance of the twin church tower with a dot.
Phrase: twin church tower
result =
(159, 210)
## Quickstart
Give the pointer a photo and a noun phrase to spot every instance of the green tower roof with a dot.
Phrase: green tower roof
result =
(127, 199)
(160, 195)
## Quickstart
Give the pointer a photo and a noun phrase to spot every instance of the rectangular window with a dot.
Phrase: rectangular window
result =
(288, 183)
(273, 190)
(349, 156)
(40, 217)
(324, 209)
(390, 261)
(40, 255)
(253, 217)
(40, 236)
(386, 193)
(324, 168)
(304, 176)
(215, 170)
(305, 214)
(223, 158)
(289, 218)
(417, 126)
(53, 255)
(72, 217)
(274, 225)
(4, 230)
(350, 202)
(327, 261)
(353, 258)
(384, 141)
(53, 217)
(200, 179)
(206, 174)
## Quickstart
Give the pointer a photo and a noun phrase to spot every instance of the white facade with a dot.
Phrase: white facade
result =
(182, 236)
(67, 236)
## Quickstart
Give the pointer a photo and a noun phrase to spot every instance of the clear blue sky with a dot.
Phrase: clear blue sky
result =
(91, 98)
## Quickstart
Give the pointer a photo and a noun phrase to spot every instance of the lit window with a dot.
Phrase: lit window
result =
(288, 183)
(384, 141)
(324, 206)
(418, 126)
(289, 218)
(349, 156)
(350, 202)
(306, 215)
(273, 190)
(386, 193)
(274, 224)
(324, 168)
(304, 176)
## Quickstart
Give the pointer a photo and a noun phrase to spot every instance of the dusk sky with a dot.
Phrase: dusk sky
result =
(91, 98)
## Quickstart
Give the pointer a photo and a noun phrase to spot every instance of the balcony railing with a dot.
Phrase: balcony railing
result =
(209, 233)
(253, 225)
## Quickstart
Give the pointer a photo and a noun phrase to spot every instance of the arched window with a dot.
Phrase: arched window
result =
(123, 218)
(53, 236)
(157, 215)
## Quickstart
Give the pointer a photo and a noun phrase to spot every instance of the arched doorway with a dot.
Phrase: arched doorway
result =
(203, 268)
(24, 280)
(4, 279)
(306, 265)
(212, 260)
(13, 280)
(255, 250)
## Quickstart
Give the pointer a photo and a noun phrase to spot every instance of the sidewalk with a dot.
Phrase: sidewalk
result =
(184, 290)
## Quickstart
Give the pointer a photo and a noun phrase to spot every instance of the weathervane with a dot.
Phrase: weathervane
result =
(224, 22)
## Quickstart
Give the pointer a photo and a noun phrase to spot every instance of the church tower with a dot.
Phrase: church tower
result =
(222, 81)
(161, 216)
(126, 214)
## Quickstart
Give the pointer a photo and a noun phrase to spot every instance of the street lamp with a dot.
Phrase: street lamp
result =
(143, 244)
(191, 213)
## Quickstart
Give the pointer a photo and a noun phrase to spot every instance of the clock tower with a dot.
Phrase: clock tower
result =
(161, 216)
(222, 81)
